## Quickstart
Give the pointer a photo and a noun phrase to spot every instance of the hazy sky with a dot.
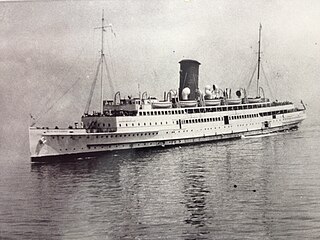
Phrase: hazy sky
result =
(45, 44)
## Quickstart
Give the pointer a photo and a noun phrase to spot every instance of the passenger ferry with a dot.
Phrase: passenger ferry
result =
(184, 116)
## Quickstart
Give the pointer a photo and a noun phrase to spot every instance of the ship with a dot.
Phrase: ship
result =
(184, 116)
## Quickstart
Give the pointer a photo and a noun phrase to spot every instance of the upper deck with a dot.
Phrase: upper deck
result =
(120, 120)
(137, 109)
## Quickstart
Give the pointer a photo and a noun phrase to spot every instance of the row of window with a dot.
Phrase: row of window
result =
(197, 120)
(276, 112)
(201, 120)
(113, 136)
(140, 124)
(243, 116)
(162, 112)
(96, 124)
(202, 110)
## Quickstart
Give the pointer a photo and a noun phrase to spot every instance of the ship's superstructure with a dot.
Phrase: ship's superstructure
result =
(184, 116)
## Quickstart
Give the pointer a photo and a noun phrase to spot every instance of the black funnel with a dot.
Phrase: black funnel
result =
(189, 77)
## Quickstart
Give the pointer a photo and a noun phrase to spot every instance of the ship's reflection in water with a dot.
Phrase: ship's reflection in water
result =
(195, 194)
(177, 193)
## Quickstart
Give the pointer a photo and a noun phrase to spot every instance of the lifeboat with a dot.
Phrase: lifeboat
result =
(162, 104)
(233, 101)
(188, 103)
(253, 100)
(212, 102)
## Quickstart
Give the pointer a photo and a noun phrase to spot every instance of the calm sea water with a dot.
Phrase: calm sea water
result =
(256, 188)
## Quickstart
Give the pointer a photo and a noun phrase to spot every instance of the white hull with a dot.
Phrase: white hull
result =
(177, 129)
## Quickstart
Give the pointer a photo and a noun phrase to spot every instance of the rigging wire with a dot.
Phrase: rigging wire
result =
(254, 71)
(52, 105)
(92, 89)
(244, 76)
(265, 76)
(108, 75)
(50, 98)
(109, 53)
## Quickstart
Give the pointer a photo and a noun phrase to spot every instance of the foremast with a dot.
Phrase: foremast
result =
(100, 68)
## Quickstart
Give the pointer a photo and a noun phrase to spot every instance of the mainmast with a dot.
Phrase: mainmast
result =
(102, 57)
(258, 75)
